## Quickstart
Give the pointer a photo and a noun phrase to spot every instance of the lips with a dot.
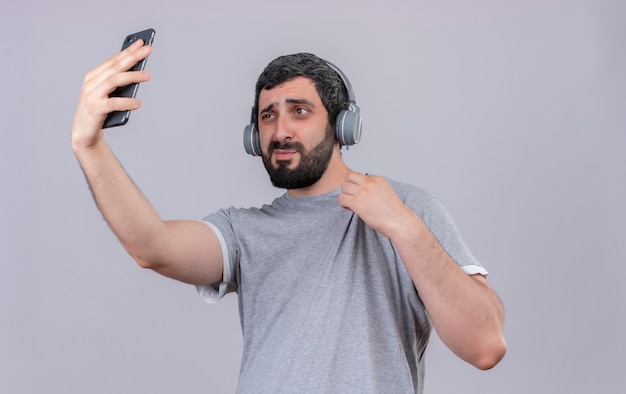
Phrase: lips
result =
(285, 150)
(284, 154)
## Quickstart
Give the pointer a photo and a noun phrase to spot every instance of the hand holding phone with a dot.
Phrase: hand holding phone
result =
(119, 118)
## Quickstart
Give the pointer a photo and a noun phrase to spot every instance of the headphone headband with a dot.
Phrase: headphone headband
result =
(345, 80)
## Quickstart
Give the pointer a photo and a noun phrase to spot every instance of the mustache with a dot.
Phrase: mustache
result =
(297, 146)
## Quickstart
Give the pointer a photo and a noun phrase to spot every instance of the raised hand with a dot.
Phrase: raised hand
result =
(375, 201)
(94, 103)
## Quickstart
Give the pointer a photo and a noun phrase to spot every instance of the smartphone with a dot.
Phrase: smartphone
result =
(119, 118)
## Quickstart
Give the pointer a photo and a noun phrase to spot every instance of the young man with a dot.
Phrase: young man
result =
(340, 279)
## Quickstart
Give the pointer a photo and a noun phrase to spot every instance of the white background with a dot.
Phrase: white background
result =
(512, 112)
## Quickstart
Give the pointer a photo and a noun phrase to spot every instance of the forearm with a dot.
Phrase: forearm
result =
(465, 311)
(128, 213)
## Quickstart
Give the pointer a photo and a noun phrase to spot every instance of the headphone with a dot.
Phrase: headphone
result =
(347, 126)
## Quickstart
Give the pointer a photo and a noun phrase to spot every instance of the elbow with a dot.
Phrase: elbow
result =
(490, 355)
(143, 261)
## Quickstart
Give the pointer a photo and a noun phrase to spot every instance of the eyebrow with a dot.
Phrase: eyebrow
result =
(288, 101)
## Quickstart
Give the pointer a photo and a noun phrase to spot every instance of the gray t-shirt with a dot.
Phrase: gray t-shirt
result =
(325, 302)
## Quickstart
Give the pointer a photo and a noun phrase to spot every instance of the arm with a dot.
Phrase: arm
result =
(464, 309)
(184, 250)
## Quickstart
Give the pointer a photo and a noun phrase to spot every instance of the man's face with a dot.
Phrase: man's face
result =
(296, 139)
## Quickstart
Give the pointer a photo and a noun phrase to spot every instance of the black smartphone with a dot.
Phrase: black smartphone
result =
(119, 118)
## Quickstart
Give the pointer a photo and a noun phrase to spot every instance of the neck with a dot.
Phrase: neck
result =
(333, 178)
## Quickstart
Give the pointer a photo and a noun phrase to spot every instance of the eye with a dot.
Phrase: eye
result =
(301, 111)
(266, 116)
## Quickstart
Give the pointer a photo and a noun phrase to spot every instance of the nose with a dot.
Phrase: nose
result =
(283, 131)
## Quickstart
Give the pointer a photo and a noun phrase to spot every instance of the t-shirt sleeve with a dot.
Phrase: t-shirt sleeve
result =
(220, 224)
(442, 226)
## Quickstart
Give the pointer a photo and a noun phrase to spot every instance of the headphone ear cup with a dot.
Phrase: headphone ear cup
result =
(251, 141)
(348, 128)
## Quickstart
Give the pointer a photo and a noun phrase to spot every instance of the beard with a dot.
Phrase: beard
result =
(312, 164)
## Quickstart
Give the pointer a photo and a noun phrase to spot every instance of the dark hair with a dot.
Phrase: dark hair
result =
(328, 83)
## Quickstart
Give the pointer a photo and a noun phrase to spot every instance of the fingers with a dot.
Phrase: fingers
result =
(374, 200)
(362, 190)
(356, 182)
(122, 61)
(356, 177)
(121, 104)
(112, 73)
(94, 102)
(352, 189)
